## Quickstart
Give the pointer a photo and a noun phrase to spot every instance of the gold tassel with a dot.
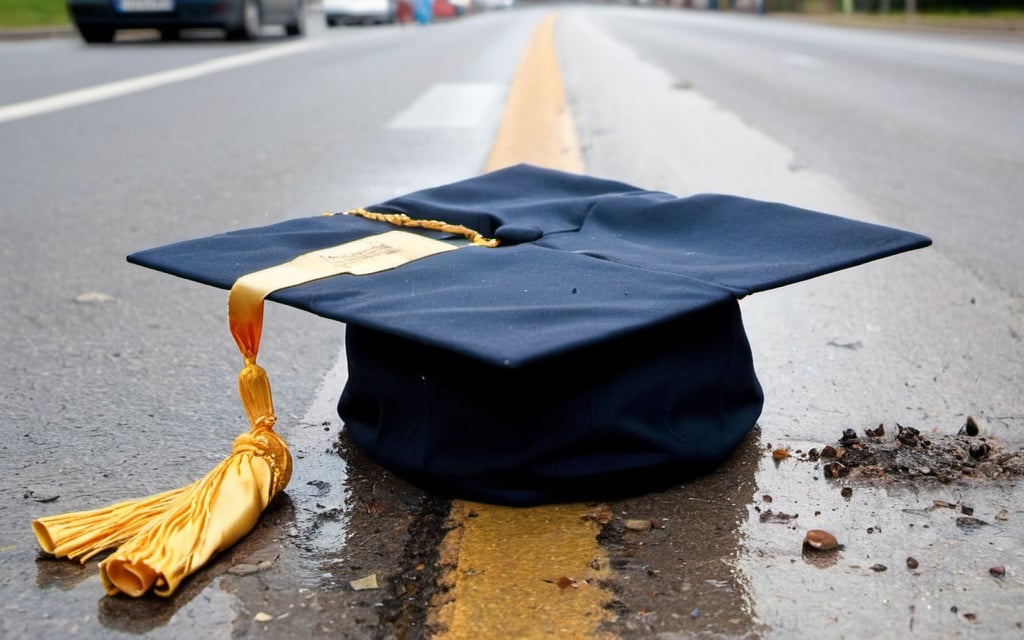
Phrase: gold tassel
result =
(83, 534)
(210, 516)
(166, 537)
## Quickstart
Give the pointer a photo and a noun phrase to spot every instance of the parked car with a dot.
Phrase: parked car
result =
(98, 20)
(359, 11)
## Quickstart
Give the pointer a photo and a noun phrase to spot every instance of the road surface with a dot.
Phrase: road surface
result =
(119, 382)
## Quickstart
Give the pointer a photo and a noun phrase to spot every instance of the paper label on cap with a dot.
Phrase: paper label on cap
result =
(361, 257)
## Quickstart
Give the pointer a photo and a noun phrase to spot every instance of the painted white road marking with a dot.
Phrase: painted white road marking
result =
(450, 106)
(120, 88)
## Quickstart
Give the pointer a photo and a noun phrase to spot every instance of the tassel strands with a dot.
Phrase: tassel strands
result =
(166, 537)
(83, 534)
(215, 513)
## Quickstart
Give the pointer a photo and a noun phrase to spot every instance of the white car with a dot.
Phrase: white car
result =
(359, 11)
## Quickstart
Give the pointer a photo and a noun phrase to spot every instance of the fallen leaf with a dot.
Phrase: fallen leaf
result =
(364, 584)
(565, 583)
(243, 569)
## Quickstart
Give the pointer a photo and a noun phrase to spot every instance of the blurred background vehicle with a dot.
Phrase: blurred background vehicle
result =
(359, 11)
(99, 20)
(444, 9)
(461, 7)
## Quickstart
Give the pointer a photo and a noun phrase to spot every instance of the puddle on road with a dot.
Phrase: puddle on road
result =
(318, 486)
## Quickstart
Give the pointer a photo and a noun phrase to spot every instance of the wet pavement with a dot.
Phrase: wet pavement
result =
(925, 548)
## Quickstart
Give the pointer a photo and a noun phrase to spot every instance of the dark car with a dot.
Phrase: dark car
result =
(98, 20)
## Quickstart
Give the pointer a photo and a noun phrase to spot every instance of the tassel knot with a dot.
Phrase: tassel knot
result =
(254, 389)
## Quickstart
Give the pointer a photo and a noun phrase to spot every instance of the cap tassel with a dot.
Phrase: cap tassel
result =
(166, 537)
(82, 534)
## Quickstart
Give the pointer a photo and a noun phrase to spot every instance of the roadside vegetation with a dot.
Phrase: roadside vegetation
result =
(32, 13)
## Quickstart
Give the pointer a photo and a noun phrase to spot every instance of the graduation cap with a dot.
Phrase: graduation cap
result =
(529, 335)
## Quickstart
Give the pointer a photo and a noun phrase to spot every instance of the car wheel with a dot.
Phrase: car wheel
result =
(96, 34)
(170, 33)
(331, 22)
(251, 21)
(297, 26)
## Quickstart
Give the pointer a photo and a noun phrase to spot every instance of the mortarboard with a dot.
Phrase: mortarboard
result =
(596, 350)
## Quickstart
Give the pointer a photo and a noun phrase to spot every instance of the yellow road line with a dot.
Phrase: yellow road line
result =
(537, 127)
(523, 573)
(526, 573)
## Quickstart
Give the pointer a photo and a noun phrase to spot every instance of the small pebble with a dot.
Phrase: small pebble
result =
(969, 522)
(835, 469)
(912, 563)
(998, 572)
(970, 427)
(93, 297)
(820, 540)
(879, 567)
(637, 525)
(262, 617)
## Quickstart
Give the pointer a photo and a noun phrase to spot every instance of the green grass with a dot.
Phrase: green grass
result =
(32, 13)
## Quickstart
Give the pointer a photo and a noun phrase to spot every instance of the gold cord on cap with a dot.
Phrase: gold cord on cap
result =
(402, 220)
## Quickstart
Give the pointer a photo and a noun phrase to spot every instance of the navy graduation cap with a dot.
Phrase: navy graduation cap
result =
(596, 351)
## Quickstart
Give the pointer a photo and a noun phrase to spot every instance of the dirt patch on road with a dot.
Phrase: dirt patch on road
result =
(901, 454)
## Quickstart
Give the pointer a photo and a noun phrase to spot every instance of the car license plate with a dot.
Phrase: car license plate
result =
(146, 5)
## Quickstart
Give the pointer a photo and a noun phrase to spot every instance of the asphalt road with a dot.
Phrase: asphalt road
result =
(925, 129)
(117, 382)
